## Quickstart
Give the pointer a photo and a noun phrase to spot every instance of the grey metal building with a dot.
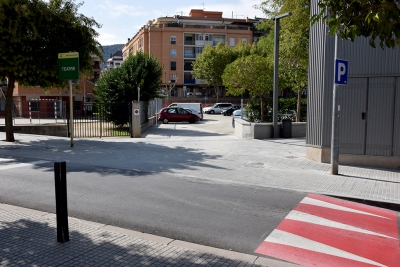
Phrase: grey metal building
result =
(369, 104)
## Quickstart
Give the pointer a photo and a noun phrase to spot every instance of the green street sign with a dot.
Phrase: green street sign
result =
(68, 66)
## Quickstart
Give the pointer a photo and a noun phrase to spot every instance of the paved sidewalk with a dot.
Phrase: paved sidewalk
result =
(28, 238)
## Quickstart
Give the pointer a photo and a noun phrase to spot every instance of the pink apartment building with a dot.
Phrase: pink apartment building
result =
(177, 41)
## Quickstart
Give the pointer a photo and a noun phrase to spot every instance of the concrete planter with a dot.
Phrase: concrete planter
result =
(244, 129)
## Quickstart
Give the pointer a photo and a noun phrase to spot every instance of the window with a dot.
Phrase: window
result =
(173, 52)
(173, 65)
(173, 39)
(232, 41)
(172, 78)
(244, 40)
(34, 106)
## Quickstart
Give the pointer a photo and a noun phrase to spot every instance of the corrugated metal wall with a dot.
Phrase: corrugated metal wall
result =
(352, 121)
(380, 116)
(316, 76)
(396, 132)
(370, 91)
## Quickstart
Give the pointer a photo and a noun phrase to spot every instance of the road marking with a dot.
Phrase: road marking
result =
(5, 160)
(325, 231)
(288, 239)
(304, 217)
(324, 204)
(17, 165)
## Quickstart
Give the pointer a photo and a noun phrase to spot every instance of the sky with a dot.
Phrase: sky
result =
(121, 19)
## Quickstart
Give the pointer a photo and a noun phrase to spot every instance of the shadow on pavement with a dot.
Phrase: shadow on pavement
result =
(26, 242)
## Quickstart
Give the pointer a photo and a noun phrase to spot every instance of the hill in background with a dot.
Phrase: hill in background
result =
(110, 49)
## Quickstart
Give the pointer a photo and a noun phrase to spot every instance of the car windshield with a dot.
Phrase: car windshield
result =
(215, 105)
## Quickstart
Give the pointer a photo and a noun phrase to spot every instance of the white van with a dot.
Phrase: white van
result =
(196, 106)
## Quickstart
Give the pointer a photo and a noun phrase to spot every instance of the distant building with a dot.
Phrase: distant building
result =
(177, 41)
(115, 60)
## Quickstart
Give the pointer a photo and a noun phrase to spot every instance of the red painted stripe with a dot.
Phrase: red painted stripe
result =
(379, 249)
(306, 257)
(371, 223)
(348, 204)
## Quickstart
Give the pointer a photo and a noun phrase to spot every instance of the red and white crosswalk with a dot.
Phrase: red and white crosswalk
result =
(325, 231)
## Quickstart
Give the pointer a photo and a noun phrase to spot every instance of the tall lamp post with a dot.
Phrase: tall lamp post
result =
(276, 70)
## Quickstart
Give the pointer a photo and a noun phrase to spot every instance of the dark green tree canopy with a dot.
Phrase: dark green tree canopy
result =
(121, 84)
(33, 32)
(377, 19)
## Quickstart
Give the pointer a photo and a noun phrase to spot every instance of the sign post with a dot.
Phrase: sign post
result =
(68, 69)
(341, 75)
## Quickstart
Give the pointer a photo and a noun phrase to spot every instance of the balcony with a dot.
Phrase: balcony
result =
(189, 42)
(189, 81)
(189, 55)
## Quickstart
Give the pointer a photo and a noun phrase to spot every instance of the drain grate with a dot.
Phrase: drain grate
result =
(254, 164)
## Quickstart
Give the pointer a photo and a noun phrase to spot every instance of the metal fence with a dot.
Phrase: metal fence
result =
(37, 111)
(103, 120)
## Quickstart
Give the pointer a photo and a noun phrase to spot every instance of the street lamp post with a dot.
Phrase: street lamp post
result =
(276, 71)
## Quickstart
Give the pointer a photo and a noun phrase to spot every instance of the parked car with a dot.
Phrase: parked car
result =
(195, 106)
(229, 111)
(217, 108)
(193, 111)
(189, 93)
(199, 94)
(176, 114)
(237, 114)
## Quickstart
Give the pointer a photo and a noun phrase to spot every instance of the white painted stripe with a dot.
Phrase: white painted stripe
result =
(5, 160)
(292, 240)
(308, 218)
(17, 165)
(324, 204)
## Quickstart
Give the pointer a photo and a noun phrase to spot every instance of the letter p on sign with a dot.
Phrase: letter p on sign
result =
(341, 71)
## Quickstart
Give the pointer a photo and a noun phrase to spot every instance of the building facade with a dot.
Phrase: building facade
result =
(369, 105)
(177, 41)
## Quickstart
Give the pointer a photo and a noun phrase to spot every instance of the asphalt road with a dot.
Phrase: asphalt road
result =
(222, 215)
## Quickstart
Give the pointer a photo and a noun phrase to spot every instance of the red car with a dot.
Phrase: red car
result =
(176, 114)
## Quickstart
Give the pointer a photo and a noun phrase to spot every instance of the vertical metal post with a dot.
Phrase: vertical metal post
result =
(55, 111)
(275, 133)
(71, 114)
(64, 201)
(57, 180)
(276, 81)
(60, 179)
(30, 113)
(335, 123)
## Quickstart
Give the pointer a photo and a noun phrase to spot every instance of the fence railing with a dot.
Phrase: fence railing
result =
(102, 120)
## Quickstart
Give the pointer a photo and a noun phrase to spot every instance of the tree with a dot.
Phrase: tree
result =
(121, 85)
(210, 65)
(294, 44)
(368, 18)
(252, 73)
(33, 32)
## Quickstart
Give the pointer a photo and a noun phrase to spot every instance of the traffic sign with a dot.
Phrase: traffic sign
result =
(136, 111)
(341, 71)
(205, 98)
(68, 66)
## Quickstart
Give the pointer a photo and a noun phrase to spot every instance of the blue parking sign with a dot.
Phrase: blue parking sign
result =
(341, 71)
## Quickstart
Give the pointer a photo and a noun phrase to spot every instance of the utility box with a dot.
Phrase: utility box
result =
(286, 128)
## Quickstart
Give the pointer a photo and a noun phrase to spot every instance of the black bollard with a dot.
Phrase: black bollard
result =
(60, 178)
